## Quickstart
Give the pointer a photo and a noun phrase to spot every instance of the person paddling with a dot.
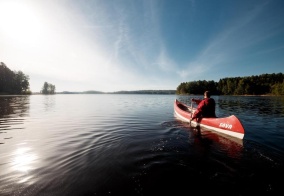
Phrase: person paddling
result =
(205, 108)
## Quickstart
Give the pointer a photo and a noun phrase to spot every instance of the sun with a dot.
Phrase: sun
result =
(20, 22)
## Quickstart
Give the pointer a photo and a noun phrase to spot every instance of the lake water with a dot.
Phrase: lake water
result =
(134, 145)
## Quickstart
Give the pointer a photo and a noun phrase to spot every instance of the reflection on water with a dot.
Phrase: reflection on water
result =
(231, 146)
(133, 145)
(13, 111)
(23, 159)
(14, 106)
(49, 102)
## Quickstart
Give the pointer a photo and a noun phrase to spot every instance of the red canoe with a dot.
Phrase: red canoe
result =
(230, 125)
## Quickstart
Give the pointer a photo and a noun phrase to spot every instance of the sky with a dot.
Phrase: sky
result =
(114, 45)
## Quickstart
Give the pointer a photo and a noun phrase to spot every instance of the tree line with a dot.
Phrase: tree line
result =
(17, 83)
(263, 84)
(13, 82)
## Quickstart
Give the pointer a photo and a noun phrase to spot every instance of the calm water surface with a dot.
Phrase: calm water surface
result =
(134, 145)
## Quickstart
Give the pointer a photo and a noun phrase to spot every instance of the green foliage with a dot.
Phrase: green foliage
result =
(278, 89)
(197, 87)
(252, 85)
(48, 89)
(13, 82)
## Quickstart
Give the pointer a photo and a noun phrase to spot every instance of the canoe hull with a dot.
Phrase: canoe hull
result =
(230, 125)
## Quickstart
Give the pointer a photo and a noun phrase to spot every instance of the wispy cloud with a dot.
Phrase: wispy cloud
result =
(128, 45)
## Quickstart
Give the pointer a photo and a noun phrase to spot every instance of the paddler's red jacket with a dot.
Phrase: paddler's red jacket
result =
(205, 108)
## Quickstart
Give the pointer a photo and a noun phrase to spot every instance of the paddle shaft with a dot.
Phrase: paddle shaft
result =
(191, 109)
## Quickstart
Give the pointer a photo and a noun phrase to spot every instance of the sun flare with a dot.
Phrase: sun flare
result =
(19, 22)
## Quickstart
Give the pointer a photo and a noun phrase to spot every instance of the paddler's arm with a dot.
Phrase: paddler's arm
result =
(197, 101)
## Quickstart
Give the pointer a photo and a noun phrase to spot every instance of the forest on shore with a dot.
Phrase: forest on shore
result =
(264, 84)
(13, 82)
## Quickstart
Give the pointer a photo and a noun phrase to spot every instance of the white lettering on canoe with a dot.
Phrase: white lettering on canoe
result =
(225, 125)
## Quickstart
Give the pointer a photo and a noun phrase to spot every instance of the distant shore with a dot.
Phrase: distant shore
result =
(135, 92)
